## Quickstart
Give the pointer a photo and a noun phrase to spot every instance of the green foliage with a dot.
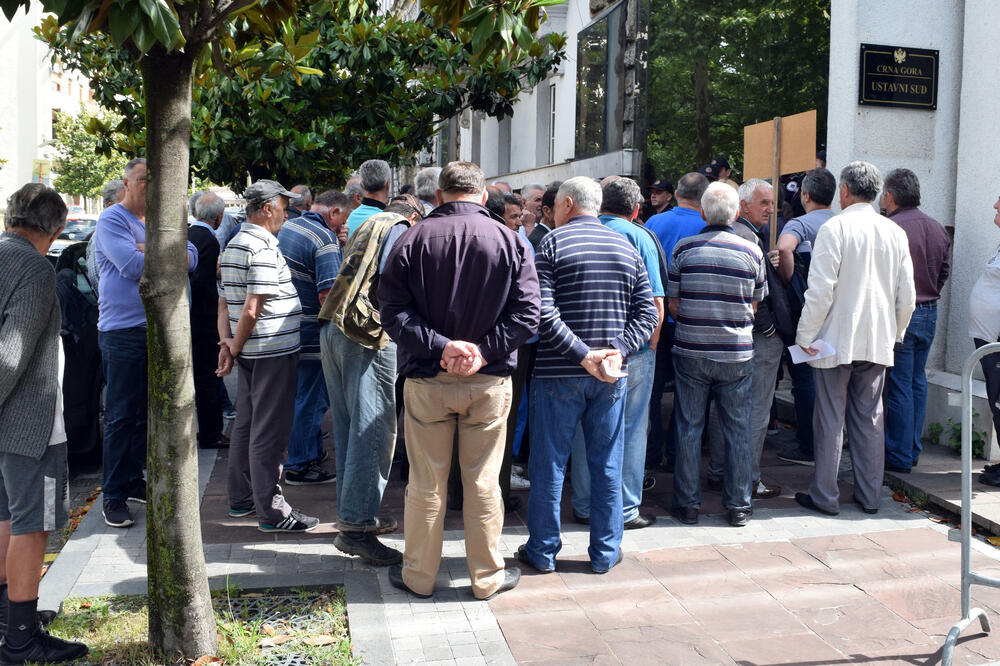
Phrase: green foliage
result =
(370, 87)
(765, 58)
(953, 430)
(80, 167)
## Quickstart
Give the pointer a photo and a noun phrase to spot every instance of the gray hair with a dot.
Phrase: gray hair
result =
(720, 204)
(531, 187)
(304, 199)
(750, 187)
(620, 197)
(904, 187)
(462, 177)
(425, 183)
(374, 175)
(112, 192)
(585, 193)
(209, 207)
(820, 185)
(131, 164)
(862, 179)
(193, 203)
(36, 208)
(333, 199)
(691, 186)
(254, 206)
(353, 188)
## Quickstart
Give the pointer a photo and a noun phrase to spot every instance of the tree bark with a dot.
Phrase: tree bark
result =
(703, 141)
(181, 620)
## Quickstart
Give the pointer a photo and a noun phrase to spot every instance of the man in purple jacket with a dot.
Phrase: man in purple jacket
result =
(120, 246)
(906, 381)
(459, 294)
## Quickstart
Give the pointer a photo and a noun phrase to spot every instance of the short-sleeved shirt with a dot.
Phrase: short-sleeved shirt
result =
(312, 253)
(644, 245)
(717, 276)
(984, 302)
(253, 264)
(805, 227)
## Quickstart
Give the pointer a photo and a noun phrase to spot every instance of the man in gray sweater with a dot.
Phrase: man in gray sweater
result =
(33, 493)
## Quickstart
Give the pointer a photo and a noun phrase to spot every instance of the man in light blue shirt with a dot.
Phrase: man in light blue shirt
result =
(375, 176)
(670, 226)
(119, 247)
(622, 200)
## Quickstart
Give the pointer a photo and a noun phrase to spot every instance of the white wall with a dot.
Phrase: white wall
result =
(925, 142)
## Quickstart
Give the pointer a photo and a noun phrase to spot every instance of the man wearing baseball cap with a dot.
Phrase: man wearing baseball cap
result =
(261, 335)
(661, 193)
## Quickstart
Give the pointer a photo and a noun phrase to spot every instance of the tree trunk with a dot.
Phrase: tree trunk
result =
(181, 620)
(703, 141)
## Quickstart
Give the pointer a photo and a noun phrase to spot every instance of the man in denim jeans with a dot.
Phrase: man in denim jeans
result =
(713, 351)
(906, 382)
(119, 247)
(622, 199)
(597, 310)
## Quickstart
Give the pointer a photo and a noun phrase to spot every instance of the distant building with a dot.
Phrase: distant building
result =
(34, 90)
(586, 119)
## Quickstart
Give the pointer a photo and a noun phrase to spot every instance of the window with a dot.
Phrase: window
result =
(600, 92)
(552, 123)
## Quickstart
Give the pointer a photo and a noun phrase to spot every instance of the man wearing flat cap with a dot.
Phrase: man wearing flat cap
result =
(259, 331)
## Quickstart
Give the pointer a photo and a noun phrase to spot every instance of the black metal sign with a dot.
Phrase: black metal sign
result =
(898, 76)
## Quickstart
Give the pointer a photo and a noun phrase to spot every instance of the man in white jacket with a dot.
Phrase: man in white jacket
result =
(859, 300)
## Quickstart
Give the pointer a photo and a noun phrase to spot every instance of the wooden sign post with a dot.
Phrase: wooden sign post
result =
(776, 147)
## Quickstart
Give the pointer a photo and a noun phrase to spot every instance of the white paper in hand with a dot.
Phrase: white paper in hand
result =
(606, 367)
(799, 356)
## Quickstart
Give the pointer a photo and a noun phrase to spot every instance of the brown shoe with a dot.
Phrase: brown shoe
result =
(763, 491)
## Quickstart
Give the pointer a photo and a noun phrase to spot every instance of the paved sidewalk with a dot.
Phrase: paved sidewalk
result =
(792, 587)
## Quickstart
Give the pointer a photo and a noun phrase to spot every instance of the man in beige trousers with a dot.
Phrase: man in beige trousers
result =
(458, 295)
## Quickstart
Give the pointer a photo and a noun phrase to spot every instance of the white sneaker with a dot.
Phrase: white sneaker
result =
(518, 482)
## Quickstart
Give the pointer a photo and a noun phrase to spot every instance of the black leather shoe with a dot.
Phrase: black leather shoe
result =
(618, 560)
(583, 520)
(686, 514)
(806, 501)
(367, 546)
(763, 491)
(396, 578)
(897, 470)
(511, 576)
(640, 521)
(740, 517)
(42, 648)
(521, 555)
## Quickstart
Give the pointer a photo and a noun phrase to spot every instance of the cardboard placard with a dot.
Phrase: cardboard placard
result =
(798, 146)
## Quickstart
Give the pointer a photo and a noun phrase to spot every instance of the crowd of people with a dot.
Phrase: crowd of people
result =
(514, 338)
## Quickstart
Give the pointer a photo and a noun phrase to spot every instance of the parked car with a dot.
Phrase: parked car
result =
(79, 229)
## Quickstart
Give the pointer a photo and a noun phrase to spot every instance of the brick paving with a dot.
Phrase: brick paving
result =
(791, 587)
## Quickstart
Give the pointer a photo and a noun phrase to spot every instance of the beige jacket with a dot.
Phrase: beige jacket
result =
(861, 292)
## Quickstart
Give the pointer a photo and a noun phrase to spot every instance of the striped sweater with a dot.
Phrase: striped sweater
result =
(595, 293)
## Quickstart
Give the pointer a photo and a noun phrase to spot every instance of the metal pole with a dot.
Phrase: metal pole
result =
(968, 577)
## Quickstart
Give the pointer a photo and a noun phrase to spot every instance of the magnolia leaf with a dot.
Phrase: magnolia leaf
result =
(315, 641)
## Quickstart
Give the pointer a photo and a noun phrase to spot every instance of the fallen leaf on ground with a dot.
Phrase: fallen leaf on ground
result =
(268, 629)
(899, 497)
(84, 604)
(324, 639)
(274, 641)
(253, 595)
(938, 519)
(913, 509)
(207, 659)
(995, 541)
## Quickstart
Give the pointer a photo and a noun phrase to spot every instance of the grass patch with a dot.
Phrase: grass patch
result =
(254, 627)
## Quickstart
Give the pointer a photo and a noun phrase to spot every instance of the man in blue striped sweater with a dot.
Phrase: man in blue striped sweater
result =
(716, 281)
(597, 309)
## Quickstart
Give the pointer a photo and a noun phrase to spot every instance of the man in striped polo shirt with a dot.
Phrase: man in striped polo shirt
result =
(312, 253)
(261, 333)
(597, 309)
(716, 281)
